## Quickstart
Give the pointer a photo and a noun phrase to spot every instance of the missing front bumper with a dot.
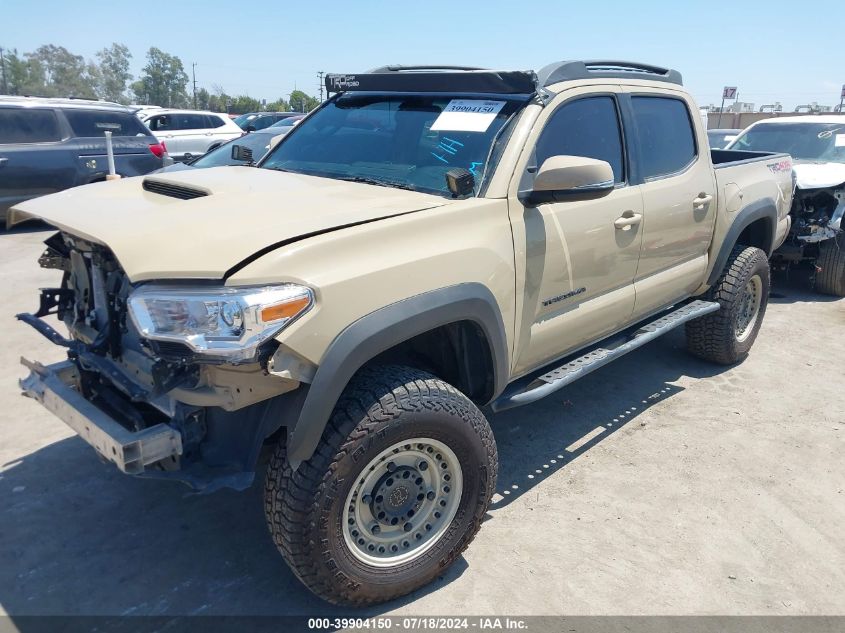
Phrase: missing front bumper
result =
(54, 386)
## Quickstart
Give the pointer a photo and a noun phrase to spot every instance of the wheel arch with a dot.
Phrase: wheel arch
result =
(446, 318)
(754, 225)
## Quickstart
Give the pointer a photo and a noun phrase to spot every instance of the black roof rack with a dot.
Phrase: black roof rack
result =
(395, 68)
(569, 70)
(435, 79)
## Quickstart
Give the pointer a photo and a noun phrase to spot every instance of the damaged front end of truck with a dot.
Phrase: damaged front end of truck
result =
(166, 380)
(818, 206)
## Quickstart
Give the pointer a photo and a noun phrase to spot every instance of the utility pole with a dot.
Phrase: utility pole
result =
(3, 68)
(320, 83)
(194, 73)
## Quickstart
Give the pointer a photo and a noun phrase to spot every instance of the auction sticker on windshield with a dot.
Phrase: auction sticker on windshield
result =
(839, 141)
(467, 115)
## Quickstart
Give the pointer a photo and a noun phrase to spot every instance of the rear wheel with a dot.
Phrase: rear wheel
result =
(830, 279)
(742, 290)
(394, 493)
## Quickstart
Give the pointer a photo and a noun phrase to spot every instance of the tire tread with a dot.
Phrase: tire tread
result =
(292, 498)
(711, 337)
(830, 280)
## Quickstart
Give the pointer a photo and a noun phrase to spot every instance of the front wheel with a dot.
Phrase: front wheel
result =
(394, 493)
(742, 290)
(830, 279)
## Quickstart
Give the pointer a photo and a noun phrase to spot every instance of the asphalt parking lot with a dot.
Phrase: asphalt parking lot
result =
(657, 485)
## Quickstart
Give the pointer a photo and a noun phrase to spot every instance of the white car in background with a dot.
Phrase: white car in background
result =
(190, 133)
(817, 234)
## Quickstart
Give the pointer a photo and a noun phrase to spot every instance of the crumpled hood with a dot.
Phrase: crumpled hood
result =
(245, 211)
(818, 175)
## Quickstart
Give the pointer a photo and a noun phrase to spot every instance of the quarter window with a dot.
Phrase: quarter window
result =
(587, 127)
(215, 121)
(28, 125)
(666, 138)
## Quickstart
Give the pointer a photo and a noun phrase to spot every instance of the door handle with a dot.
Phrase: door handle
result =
(701, 200)
(628, 219)
(3, 161)
(208, 133)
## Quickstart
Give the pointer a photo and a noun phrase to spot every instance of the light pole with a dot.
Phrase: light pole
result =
(194, 74)
(3, 68)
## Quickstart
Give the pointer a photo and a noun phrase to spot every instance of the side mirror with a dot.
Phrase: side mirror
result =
(241, 153)
(560, 177)
(250, 128)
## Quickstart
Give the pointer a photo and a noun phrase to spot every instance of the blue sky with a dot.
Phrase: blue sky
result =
(772, 50)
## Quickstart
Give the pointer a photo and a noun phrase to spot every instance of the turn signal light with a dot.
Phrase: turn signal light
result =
(286, 310)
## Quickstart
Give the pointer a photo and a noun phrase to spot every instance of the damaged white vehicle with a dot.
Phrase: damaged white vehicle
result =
(817, 146)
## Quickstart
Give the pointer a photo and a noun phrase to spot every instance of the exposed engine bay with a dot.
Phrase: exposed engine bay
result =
(141, 383)
(817, 216)
(119, 372)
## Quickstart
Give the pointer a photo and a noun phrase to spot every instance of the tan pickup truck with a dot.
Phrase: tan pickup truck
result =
(427, 242)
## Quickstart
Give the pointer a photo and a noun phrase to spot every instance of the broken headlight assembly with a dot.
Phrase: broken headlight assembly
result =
(229, 323)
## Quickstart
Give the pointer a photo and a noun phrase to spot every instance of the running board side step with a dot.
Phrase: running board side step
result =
(519, 393)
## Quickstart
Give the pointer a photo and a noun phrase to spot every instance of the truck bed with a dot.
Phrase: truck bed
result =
(726, 157)
(751, 180)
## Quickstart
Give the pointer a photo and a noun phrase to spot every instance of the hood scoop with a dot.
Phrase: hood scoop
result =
(172, 190)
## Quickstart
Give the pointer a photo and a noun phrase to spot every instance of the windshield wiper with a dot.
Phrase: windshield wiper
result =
(362, 179)
(377, 182)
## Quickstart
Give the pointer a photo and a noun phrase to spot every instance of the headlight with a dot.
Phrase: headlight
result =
(222, 321)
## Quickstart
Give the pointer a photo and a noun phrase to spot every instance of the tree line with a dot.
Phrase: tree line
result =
(54, 71)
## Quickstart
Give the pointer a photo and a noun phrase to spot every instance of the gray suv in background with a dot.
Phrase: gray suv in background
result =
(47, 145)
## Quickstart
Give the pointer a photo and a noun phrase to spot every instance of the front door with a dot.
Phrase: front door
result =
(580, 261)
(164, 128)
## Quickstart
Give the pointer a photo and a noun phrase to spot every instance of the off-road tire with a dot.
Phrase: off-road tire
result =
(830, 280)
(714, 337)
(380, 407)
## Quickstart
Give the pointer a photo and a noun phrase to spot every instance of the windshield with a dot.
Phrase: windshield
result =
(243, 119)
(823, 142)
(258, 143)
(288, 122)
(718, 140)
(405, 141)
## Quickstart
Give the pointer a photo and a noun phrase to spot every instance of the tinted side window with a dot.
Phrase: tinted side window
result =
(667, 140)
(214, 121)
(27, 125)
(88, 123)
(586, 127)
(190, 121)
(261, 122)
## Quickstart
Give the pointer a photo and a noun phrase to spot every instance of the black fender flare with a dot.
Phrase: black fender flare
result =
(382, 329)
(765, 208)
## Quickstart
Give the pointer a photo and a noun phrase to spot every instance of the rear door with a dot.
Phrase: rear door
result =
(34, 157)
(130, 140)
(579, 266)
(196, 133)
(164, 127)
(679, 197)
